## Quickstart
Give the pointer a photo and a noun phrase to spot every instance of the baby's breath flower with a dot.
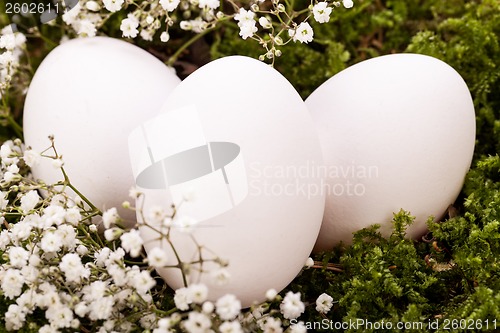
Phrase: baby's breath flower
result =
(129, 26)
(347, 3)
(169, 5)
(112, 233)
(309, 262)
(132, 242)
(15, 317)
(157, 257)
(304, 33)
(182, 299)
(29, 201)
(57, 163)
(230, 327)
(220, 276)
(164, 37)
(270, 324)
(113, 5)
(31, 157)
(228, 307)
(292, 307)
(271, 294)
(265, 23)
(322, 12)
(199, 293)
(197, 322)
(208, 307)
(324, 303)
(110, 217)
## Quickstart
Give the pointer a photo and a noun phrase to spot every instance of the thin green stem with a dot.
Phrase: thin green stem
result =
(15, 126)
(181, 49)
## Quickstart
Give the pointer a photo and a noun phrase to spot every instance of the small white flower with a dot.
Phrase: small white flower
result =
(271, 294)
(324, 303)
(15, 317)
(304, 33)
(85, 28)
(164, 37)
(208, 307)
(118, 274)
(211, 4)
(53, 215)
(228, 307)
(185, 223)
(244, 16)
(70, 16)
(132, 242)
(51, 241)
(197, 323)
(4, 200)
(101, 308)
(143, 282)
(270, 325)
(110, 217)
(156, 214)
(21, 230)
(220, 276)
(322, 12)
(169, 5)
(157, 257)
(73, 216)
(31, 157)
(82, 250)
(347, 3)
(134, 193)
(112, 233)
(12, 283)
(230, 327)
(8, 42)
(186, 25)
(57, 163)
(72, 267)
(113, 5)
(182, 299)
(101, 256)
(29, 201)
(199, 293)
(18, 256)
(68, 236)
(146, 34)
(129, 26)
(93, 6)
(309, 262)
(265, 23)
(247, 29)
(81, 309)
(59, 316)
(291, 306)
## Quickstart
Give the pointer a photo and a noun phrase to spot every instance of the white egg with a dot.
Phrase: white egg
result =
(236, 137)
(397, 132)
(90, 93)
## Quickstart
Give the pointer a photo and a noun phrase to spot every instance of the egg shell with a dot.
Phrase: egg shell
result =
(267, 226)
(90, 93)
(397, 132)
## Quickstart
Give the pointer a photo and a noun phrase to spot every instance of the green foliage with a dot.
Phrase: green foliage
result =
(456, 274)
(469, 42)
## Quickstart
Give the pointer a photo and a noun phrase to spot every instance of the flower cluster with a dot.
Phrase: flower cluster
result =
(272, 23)
(57, 262)
(11, 48)
(54, 259)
